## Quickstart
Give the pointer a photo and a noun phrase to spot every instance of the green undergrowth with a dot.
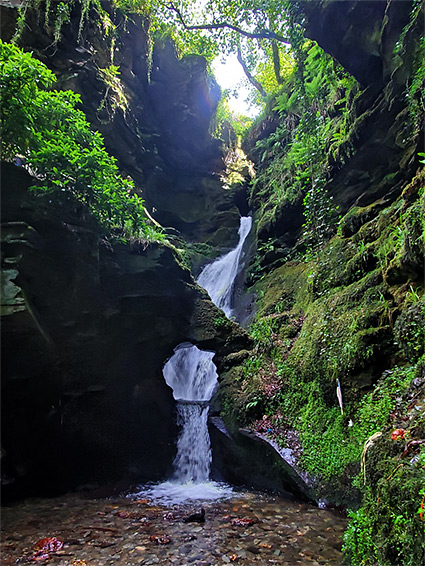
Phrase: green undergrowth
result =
(353, 315)
(44, 131)
(314, 132)
(389, 529)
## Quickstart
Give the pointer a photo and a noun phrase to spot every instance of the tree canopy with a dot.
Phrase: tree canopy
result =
(259, 33)
(263, 35)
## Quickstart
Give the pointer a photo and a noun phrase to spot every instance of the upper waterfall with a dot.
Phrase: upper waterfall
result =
(191, 374)
(218, 278)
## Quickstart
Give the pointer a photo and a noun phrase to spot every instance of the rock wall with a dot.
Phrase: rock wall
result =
(86, 329)
(339, 311)
(154, 115)
(87, 325)
(384, 142)
(362, 36)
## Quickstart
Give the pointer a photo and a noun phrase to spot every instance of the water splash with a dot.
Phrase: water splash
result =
(192, 375)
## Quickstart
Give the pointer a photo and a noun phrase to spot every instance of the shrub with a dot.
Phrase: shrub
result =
(52, 137)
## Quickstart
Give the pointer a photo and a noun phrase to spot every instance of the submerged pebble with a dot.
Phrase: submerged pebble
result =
(246, 529)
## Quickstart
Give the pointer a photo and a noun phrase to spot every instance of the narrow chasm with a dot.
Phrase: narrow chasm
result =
(212, 282)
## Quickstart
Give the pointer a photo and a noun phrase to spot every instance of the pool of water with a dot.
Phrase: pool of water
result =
(246, 528)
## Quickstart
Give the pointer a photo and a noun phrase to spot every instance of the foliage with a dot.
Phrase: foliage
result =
(346, 330)
(226, 119)
(313, 133)
(320, 217)
(114, 96)
(46, 130)
(388, 529)
(409, 329)
(57, 14)
(415, 85)
(256, 31)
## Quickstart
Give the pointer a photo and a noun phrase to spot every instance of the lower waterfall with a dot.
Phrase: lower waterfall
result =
(192, 376)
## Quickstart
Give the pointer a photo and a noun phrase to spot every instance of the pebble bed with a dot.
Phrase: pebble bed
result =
(249, 528)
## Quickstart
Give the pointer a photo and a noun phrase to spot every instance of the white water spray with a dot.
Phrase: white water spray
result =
(218, 278)
(192, 375)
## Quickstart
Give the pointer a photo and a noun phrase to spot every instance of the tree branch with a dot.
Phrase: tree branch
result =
(251, 79)
(263, 34)
(276, 63)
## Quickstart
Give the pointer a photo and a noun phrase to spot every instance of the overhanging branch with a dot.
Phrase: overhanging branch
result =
(263, 34)
(249, 76)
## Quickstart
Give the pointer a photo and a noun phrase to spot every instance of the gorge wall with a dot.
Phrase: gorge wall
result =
(342, 311)
(87, 324)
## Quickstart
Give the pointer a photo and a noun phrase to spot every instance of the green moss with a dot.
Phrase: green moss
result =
(337, 317)
(388, 528)
(287, 283)
(409, 330)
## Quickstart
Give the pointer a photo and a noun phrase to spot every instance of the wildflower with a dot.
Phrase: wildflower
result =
(398, 433)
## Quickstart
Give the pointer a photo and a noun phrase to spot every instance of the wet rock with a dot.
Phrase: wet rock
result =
(88, 315)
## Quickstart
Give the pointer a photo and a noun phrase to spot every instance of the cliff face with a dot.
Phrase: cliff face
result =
(87, 325)
(154, 114)
(86, 329)
(334, 316)
(360, 35)
(382, 144)
(363, 36)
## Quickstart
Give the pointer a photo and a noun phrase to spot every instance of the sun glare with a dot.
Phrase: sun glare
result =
(229, 75)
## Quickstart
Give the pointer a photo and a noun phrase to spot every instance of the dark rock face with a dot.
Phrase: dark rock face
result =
(184, 98)
(360, 35)
(248, 460)
(86, 329)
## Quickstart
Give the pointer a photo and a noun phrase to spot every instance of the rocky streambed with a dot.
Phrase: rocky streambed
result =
(249, 528)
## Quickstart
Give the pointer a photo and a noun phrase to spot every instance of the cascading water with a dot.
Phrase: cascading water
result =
(218, 278)
(192, 376)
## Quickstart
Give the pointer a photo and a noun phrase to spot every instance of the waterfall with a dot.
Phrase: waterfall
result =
(192, 376)
(218, 278)
(193, 460)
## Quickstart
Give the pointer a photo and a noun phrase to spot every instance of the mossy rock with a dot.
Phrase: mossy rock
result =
(357, 216)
